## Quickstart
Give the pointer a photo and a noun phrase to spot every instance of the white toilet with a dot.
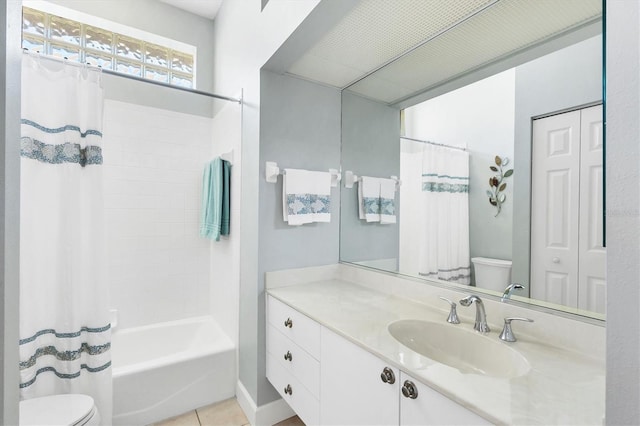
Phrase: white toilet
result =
(67, 410)
(492, 274)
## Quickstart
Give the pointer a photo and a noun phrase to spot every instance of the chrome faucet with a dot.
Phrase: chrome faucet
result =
(480, 325)
(506, 295)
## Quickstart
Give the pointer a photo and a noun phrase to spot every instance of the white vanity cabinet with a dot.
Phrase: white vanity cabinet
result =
(293, 349)
(352, 391)
(329, 380)
(420, 405)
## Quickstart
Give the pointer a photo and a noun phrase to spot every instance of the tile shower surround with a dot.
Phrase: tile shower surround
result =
(158, 266)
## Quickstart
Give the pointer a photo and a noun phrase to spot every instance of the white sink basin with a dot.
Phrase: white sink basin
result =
(462, 349)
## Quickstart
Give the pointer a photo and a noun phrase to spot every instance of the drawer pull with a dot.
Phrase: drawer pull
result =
(287, 356)
(288, 323)
(288, 390)
(409, 389)
(387, 376)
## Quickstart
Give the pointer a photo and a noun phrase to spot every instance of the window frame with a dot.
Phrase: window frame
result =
(91, 22)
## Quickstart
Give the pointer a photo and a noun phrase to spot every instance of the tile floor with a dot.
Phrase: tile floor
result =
(225, 413)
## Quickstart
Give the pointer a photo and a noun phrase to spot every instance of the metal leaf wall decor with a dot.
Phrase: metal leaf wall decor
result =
(496, 183)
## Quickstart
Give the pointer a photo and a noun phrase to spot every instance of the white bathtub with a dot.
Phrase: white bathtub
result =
(166, 369)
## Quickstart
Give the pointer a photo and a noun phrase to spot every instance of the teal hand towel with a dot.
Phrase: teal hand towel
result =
(211, 215)
(226, 198)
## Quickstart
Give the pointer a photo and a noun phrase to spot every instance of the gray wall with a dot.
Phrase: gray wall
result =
(168, 21)
(299, 128)
(10, 16)
(370, 147)
(565, 79)
(623, 212)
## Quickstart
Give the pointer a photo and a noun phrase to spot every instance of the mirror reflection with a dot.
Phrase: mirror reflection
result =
(501, 178)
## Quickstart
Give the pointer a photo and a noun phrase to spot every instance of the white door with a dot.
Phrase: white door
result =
(555, 176)
(568, 261)
(592, 256)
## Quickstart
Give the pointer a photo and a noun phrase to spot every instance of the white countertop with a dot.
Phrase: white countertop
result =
(562, 387)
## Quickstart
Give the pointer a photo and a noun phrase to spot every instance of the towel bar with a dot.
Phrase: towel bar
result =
(350, 179)
(271, 172)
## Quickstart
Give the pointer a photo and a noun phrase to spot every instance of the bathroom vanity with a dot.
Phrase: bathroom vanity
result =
(332, 355)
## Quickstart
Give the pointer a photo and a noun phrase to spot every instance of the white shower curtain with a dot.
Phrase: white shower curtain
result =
(444, 246)
(65, 335)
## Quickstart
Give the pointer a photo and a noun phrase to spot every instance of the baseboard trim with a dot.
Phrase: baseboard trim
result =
(265, 415)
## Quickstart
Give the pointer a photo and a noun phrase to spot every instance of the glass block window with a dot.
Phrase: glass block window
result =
(54, 35)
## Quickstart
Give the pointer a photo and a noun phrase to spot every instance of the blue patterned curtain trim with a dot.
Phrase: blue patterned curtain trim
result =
(445, 187)
(461, 268)
(308, 204)
(69, 127)
(58, 154)
(458, 277)
(65, 335)
(444, 176)
(65, 375)
(64, 355)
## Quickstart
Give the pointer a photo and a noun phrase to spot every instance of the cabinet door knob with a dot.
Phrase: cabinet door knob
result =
(387, 376)
(556, 260)
(288, 390)
(287, 356)
(409, 389)
(288, 323)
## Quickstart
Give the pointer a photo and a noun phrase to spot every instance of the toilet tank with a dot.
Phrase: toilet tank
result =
(492, 274)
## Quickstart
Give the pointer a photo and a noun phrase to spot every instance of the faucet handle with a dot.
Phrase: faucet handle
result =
(507, 334)
(453, 314)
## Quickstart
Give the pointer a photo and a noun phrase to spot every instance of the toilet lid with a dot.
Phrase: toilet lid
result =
(68, 409)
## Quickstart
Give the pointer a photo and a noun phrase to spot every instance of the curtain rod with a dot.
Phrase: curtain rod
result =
(434, 143)
(133, 77)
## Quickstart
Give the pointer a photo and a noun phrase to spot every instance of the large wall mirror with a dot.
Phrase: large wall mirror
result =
(492, 123)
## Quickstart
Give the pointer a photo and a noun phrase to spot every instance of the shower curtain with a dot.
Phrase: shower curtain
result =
(64, 321)
(444, 246)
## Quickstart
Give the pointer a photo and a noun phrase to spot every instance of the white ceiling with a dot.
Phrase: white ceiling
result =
(205, 8)
(424, 43)
(375, 32)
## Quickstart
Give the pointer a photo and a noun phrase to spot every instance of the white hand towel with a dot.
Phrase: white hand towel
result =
(369, 198)
(360, 201)
(296, 208)
(306, 196)
(321, 196)
(387, 201)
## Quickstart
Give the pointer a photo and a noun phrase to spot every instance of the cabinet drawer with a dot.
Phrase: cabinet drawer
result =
(300, 329)
(301, 400)
(298, 362)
